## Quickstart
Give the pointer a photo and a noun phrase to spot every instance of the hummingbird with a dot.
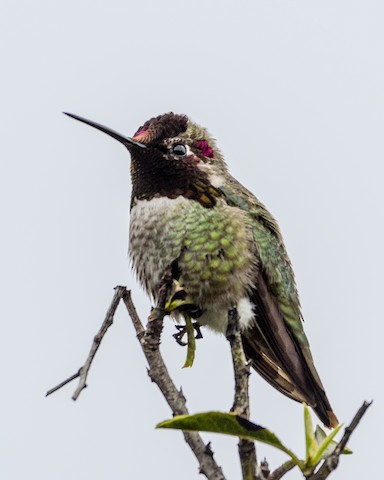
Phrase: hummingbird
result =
(187, 210)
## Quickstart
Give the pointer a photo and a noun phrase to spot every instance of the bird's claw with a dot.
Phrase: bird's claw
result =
(182, 330)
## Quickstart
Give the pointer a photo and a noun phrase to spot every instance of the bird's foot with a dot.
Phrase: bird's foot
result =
(180, 301)
(178, 298)
(182, 330)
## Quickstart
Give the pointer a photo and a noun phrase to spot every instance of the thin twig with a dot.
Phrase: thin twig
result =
(349, 430)
(149, 339)
(63, 383)
(332, 461)
(282, 470)
(84, 370)
(247, 450)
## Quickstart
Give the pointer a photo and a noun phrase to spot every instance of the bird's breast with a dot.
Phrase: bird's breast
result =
(214, 248)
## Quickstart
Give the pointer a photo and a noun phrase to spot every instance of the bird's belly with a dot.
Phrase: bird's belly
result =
(213, 248)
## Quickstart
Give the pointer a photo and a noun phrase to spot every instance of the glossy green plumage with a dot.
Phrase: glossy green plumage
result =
(275, 263)
(272, 254)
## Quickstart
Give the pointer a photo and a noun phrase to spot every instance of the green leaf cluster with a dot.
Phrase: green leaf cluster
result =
(319, 445)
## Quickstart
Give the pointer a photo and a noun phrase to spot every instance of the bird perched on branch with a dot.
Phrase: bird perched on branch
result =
(225, 247)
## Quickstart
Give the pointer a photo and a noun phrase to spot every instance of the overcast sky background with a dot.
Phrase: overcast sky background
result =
(293, 91)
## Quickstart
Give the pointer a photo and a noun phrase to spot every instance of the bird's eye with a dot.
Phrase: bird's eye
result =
(179, 149)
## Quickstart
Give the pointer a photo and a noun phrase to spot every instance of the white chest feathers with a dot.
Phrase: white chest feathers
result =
(150, 223)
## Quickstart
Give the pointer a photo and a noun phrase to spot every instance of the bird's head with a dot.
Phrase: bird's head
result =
(172, 156)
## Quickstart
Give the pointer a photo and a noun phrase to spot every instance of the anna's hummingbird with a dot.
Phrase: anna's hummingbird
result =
(187, 210)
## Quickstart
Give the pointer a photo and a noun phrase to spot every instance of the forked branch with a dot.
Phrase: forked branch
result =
(84, 370)
(149, 338)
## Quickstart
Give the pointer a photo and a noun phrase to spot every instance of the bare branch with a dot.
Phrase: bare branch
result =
(281, 471)
(247, 450)
(349, 430)
(240, 366)
(332, 461)
(84, 370)
(149, 339)
(63, 383)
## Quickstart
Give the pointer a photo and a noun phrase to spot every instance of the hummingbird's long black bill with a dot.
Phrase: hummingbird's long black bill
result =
(112, 133)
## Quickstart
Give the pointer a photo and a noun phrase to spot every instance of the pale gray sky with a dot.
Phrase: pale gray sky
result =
(293, 91)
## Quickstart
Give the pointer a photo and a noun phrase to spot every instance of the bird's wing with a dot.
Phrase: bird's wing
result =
(275, 342)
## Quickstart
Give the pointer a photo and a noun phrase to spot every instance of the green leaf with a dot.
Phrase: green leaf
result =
(311, 445)
(326, 443)
(228, 424)
(191, 342)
